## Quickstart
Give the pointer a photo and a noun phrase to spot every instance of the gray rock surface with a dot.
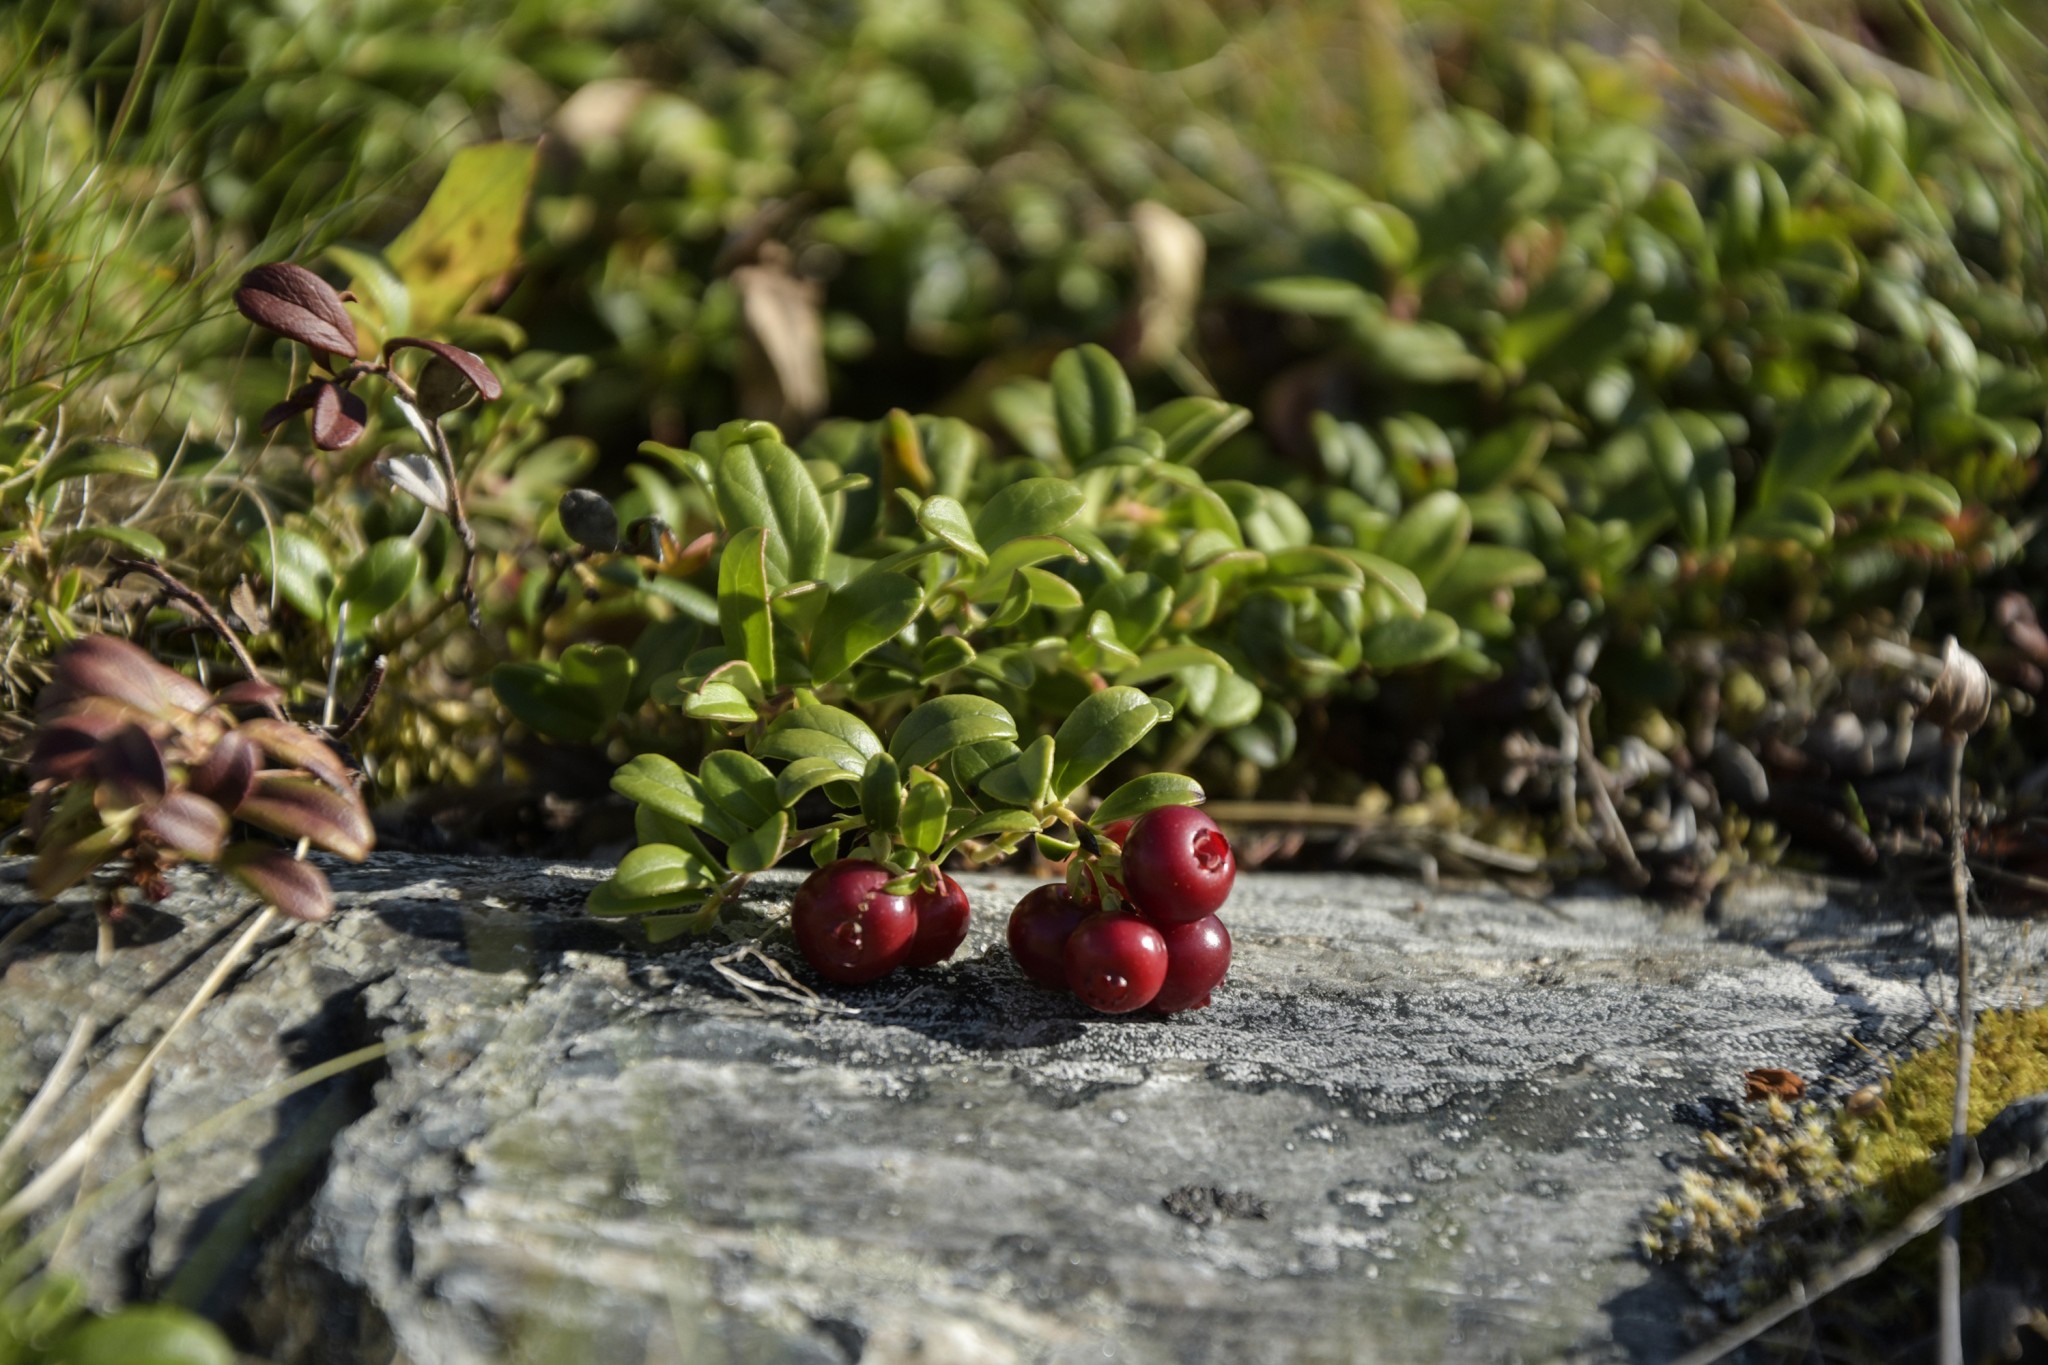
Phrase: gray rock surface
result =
(1412, 1127)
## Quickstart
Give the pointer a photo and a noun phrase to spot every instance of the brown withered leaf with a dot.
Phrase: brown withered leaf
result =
(294, 302)
(247, 608)
(186, 823)
(338, 416)
(465, 363)
(296, 888)
(1769, 1082)
(304, 808)
(293, 747)
(103, 666)
(228, 772)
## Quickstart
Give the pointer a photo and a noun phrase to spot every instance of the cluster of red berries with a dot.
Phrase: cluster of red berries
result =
(851, 928)
(1166, 949)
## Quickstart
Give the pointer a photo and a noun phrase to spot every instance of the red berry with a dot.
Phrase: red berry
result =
(847, 927)
(1115, 963)
(1197, 956)
(1039, 928)
(1177, 865)
(1116, 831)
(942, 915)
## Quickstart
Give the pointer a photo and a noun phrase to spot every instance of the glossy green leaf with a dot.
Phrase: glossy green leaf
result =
(1149, 792)
(926, 802)
(1485, 569)
(739, 785)
(942, 655)
(1192, 427)
(1399, 581)
(721, 702)
(1099, 731)
(128, 538)
(946, 519)
(153, 1334)
(943, 724)
(763, 483)
(299, 569)
(1029, 507)
(1822, 436)
(808, 774)
(1049, 590)
(860, 617)
(762, 847)
(743, 614)
(572, 699)
(608, 901)
(380, 579)
(1092, 405)
(991, 825)
(814, 730)
(881, 794)
(1405, 642)
(1026, 780)
(661, 784)
(1430, 536)
(661, 870)
(1003, 565)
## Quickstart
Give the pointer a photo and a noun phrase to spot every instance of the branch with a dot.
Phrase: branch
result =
(191, 598)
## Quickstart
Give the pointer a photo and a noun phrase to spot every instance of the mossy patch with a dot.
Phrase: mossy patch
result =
(1787, 1190)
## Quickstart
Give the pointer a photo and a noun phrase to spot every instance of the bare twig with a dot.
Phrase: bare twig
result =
(361, 709)
(31, 1118)
(1951, 1259)
(206, 612)
(782, 985)
(1920, 1221)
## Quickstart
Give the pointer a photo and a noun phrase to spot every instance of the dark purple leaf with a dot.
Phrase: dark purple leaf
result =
(338, 415)
(294, 302)
(103, 666)
(297, 889)
(466, 363)
(187, 823)
(65, 742)
(294, 747)
(302, 808)
(228, 772)
(129, 769)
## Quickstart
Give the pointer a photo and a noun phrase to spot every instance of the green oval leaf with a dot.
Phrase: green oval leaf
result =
(1025, 780)
(739, 785)
(762, 483)
(661, 870)
(743, 586)
(814, 730)
(1099, 731)
(762, 847)
(86, 457)
(1149, 792)
(1429, 536)
(1404, 642)
(381, 579)
(860, 617)
(661, 784)
(806, 775)
(946, 519)
(1822, 436)
(943, 724)
(152, 1335)
(299, 569)
(925, 805)
(881, 794)
(1092, 402)
(1029, 507)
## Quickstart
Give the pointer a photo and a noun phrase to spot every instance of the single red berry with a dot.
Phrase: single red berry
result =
(1177, 865)
(1197, 956)
(1117, 831)
(1115, 963)
(942, 915)
(1039, 929)
(847, 927)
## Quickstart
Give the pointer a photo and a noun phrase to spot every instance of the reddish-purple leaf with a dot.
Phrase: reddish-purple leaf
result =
(467, 363)
(302, 808)
(129, 769)
(187, 823)
(294, 747)
(227, 773)
(65, 741)
(338, 418)
(250, 692)
(297, 889)
(294, 302)
(103, 666)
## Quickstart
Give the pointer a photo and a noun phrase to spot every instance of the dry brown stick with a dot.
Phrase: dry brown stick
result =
(207, 613)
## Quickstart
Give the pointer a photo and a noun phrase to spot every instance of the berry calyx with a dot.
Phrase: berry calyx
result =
(1177, 865)
(1115, 963)
(942, 915)
(1197, 956)
(1039, 928)
(847, 927)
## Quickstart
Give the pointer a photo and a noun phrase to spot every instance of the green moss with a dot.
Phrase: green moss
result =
(1795, 1188)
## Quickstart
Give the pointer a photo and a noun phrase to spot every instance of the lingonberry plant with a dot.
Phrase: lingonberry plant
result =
(137, 768)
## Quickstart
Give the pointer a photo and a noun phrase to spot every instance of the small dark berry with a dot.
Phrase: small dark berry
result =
(1115, 963)
(1178, 865)
(1039, 928)
(847, 927)
(1197, 956)
(942, 915)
